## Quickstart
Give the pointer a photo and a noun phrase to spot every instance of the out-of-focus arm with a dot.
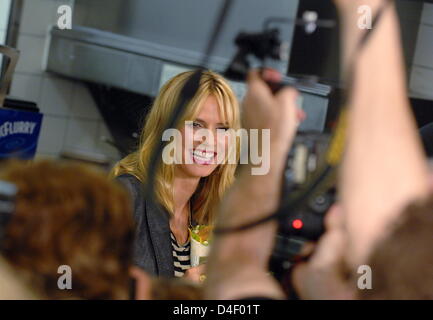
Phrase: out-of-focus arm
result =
(237, 266)
(384, 167)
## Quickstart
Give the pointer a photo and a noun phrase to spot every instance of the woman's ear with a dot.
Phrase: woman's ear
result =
(143, 283)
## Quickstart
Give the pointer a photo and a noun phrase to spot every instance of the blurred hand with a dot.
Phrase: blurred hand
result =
(355, 4)
(322, 277)
(143, 283)
(263, 110)
(196, 274)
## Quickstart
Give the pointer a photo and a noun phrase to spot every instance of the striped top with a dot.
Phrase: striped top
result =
(181, 256)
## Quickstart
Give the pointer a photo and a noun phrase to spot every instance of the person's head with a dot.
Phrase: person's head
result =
(402, 263)
(69, 215)
(215, 108)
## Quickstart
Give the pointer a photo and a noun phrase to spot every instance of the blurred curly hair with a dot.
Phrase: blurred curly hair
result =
(402, 263)
(68, 214)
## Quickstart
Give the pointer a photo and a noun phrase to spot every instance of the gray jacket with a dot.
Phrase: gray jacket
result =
(152, 246)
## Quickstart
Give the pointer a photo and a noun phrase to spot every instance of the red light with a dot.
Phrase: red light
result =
(297, 224)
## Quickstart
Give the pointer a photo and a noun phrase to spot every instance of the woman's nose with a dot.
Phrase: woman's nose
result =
(208, 137)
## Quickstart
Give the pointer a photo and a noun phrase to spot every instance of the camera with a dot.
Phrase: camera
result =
(305, 221)
(302, 222)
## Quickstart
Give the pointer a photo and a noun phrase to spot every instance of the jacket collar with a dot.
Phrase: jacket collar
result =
(159, 228)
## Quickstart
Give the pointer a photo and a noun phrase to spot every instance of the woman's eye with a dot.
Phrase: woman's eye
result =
(196, 125)
(224, 128)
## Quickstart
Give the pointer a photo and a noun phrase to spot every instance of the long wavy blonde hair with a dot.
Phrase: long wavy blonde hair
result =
(210, 189)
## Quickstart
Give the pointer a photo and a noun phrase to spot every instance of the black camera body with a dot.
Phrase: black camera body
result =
(305, 222)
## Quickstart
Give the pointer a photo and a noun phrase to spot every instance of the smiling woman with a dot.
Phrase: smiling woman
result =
(187, 192)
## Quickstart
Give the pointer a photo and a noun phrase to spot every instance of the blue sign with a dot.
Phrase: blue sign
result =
(19, 133)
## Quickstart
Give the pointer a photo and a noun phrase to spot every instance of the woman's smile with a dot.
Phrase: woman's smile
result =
(203, 157)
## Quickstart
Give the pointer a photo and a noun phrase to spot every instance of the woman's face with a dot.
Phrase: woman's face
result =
(200, 142)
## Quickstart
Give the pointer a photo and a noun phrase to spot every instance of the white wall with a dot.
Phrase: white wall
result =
(4, 18)
(71, 118)
(4, 13)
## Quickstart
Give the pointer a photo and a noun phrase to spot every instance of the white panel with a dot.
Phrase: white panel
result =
(52, 135)
(424, 48)
(239, 88)
(37, 15)
(81, 134)
(83, 105)
(32, 49)
(102, 146)
(169, 71)
(56, 96)
(421, 83)
(26, 87)
(81, 12)
(46, 156)
(427, 14)
(4, 13)
(2, 36)
(103, 14)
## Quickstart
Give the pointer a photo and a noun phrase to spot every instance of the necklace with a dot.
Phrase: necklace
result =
(189, 224)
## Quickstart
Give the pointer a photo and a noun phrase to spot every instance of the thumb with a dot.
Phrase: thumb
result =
(299, 276)
(256, 84)
(288, 95)
(286, 99)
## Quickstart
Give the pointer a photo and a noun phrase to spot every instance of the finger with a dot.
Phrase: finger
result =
(143, 283)
(256, 85)
(254, 78)
(299, 277)
(253, 75)
(287, 99)
(288, 96)
(301, 115)
(203, 268)
(307, 249)
(329, 249)
(334, 217)
(271, 75)
(138, 273)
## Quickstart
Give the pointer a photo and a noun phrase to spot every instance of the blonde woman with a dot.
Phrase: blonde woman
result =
(187, 193)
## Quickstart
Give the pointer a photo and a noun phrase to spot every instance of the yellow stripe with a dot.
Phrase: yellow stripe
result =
(336, 149)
